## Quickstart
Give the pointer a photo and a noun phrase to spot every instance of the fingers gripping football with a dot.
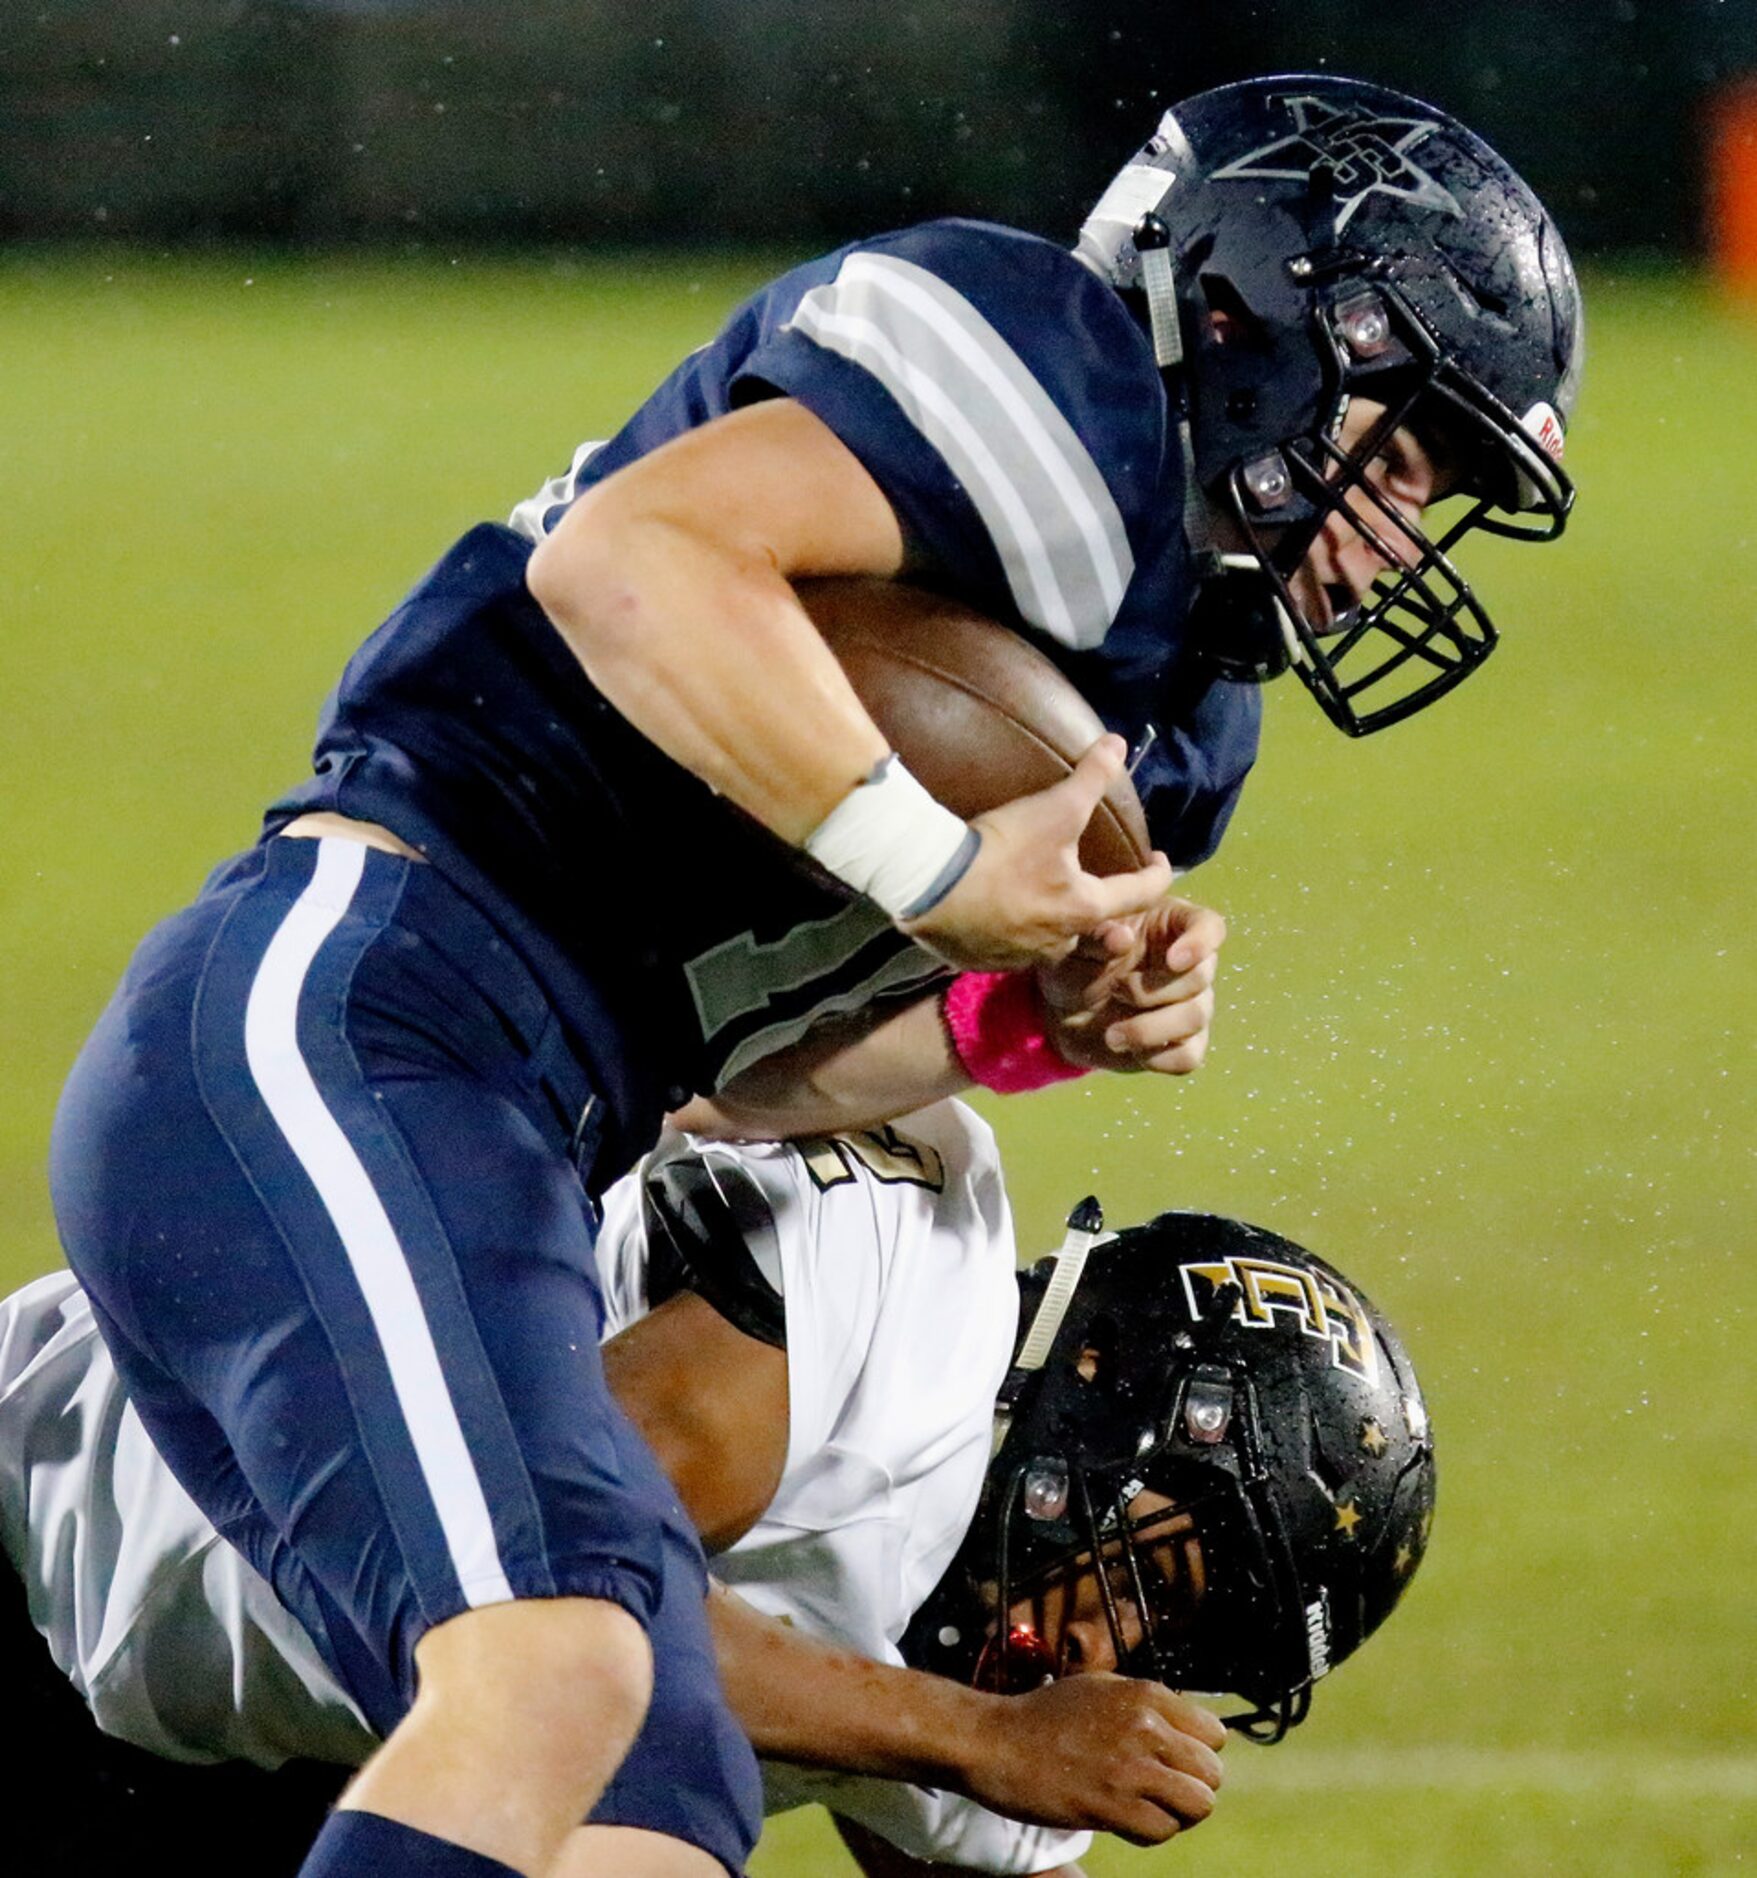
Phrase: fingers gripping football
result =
(1026, 899)
(1139, 995)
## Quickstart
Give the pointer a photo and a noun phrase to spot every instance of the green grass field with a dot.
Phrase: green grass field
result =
(1486, 1031)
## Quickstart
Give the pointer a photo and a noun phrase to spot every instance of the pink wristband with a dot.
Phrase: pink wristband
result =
(997, 1029)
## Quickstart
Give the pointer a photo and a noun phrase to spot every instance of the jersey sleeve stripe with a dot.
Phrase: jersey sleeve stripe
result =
(369, 1240)
(1052, 518)
(928, 407)
(1050, 439)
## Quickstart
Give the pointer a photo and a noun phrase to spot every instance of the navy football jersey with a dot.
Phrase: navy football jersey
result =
(1007, 403)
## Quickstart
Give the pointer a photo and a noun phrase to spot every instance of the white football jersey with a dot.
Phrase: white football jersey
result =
(174, 1641)
(894, 1252)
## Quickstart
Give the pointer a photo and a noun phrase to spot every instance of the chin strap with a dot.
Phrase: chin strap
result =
(1159, 283)
(1085, 1227)
(1085, 1223)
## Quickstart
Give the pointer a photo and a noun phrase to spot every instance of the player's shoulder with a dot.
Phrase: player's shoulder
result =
(908, 1222)
(832, 1231)
(992, 262)
(963, 1141)
(1007, 294)
(973, 325)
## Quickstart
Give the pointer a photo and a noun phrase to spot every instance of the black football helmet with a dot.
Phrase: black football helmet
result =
(1300, 241)
(1247, 1381)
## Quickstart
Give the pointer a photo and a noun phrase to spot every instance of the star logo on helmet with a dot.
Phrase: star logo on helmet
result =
(1367, 155)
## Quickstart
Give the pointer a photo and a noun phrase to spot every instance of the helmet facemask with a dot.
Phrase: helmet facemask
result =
(1208, 1447)
(1294, 243)
(1420, 629)
(1138, 1554)
(1199, 1590)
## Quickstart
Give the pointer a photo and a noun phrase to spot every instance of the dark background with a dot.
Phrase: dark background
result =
(314, 122)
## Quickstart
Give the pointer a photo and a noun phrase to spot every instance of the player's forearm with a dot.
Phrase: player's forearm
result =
(803, 1701)
(857, 1074)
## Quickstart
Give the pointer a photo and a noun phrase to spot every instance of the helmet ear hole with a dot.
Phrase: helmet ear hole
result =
(1095, 1363)
(1231, 322)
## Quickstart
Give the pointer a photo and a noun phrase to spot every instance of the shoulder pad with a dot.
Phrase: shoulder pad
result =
(710, 1230)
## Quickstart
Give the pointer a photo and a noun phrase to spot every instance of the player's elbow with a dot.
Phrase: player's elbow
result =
(627, 579)
(585, 575)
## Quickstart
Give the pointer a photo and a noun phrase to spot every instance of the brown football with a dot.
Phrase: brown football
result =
(979, 715)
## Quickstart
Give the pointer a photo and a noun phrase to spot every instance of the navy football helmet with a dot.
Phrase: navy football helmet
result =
(1210, 1364)
(1301, 241)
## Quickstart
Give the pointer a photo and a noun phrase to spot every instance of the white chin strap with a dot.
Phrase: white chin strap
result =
(1159, 284)
(1159, 280)
(1058, 1294)
(1085, 1230)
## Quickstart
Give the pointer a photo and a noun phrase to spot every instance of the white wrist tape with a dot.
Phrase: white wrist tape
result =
(890, 840)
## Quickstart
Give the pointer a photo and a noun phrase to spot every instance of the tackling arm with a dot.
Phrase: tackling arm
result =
(1093, 1753)
(848, 1074)
(712, 1405)
(1099, 1752)
(1139, 995)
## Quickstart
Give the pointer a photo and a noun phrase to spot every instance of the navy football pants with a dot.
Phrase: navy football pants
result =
(313, 1169)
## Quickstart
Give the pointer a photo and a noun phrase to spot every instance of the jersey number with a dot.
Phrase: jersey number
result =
(744, 974)
(885, 1154)
(815, 964)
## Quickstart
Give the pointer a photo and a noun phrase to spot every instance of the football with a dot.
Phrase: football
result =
(977, 713)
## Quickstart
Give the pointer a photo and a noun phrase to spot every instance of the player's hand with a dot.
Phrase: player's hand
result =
(1138, 994)
(1026, 900)
(1099, 1753)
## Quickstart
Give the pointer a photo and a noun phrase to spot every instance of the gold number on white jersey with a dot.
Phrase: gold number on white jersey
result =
(887, 1155)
